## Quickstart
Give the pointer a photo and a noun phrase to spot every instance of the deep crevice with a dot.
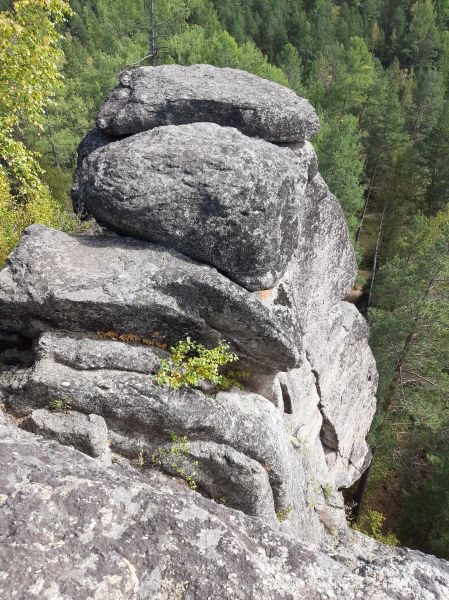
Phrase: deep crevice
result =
(328, 435)
(286, 399)
(15, 349)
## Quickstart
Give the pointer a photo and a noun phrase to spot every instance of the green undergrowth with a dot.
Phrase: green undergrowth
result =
(191, 364)
(175, 457)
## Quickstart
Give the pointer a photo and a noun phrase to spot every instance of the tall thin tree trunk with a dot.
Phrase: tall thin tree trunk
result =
(376, 252)
(152, 35)
(416, 123)
(365, 206)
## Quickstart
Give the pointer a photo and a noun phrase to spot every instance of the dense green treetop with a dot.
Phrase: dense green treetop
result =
(29, 77)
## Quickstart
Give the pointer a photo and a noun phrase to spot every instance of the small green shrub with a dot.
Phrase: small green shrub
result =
(192, 363)
(59, 404)
(177, 451)
(371, 524)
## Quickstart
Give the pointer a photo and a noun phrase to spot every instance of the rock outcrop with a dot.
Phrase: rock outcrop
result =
(72, 529)
(242, 241)
(110, 284)
(239, 439)
(239, 240)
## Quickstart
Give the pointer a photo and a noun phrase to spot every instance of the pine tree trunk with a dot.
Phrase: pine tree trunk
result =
(376, 253)
(365, 206)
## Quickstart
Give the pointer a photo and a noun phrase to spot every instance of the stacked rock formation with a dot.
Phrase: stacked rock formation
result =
(226, 231)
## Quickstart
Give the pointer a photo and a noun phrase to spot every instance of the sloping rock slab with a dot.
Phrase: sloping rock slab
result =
(149, 97)
(207, 191)
(72, 530)
(58, 281)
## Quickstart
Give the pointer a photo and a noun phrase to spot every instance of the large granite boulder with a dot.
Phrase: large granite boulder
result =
(94, 140)
(112, 284)
(149, 97)
(72, 529)
(210, 192)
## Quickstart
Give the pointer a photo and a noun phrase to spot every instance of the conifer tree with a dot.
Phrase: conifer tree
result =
(339, 152)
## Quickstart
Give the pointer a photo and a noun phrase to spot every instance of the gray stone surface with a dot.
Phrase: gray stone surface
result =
(73, 530)
(87, 433)
(324, 267)
(95, 139)
(207, 191)
(346, 378)
(335, 335)
(320, 275)
(57, 281)
(306, 154)
(92, 141)
(148, 97)
(243, 449)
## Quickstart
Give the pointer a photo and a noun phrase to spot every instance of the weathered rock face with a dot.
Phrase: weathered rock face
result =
(307, 155)
(239, 439)
(72, 529)
(94, 283)
(335, 336)
(210, 192)
(77, 315)
(149, 97)
(346, 378)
